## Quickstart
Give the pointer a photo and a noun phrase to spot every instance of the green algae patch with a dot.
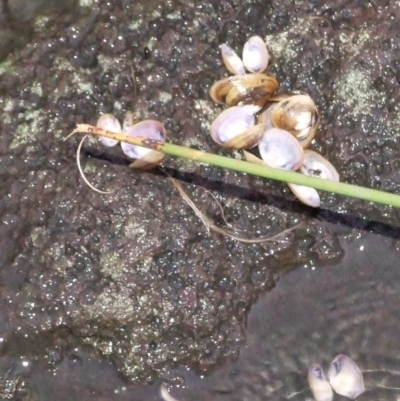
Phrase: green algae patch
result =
(355, 91)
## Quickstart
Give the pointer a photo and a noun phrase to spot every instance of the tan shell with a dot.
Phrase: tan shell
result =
(265, 117)
(149, 160)
(279, 149)
(235, 128)
(232, 61)
(346, 377)
(151, 129)
(110, 123)
(318, 383)
(316, 165)
(255, 55)
(298, 115)
(244, 89)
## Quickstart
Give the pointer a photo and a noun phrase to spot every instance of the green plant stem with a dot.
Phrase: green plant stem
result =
(354, 191)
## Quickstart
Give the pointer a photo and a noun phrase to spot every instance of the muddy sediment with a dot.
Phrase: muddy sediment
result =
(133, 278)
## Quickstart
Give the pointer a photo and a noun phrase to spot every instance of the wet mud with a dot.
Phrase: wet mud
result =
(102, 293)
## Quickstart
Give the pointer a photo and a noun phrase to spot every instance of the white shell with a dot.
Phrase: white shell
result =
(319, 385)
(150, 129)
(307, 195)
(165, 395)
(280, 149)
(346, 377)
(230, 123)
(232, 61)
(109, 123)
(316, 165)
(255, 55)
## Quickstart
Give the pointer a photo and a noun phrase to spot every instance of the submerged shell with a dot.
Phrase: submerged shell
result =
(319, 385)
(255, 55)
(346, 377)
(298, 115)
(109, 123)
(150, 129)
(279, 149)
(232, 61)
(244, 89)
(316, 165)
(165, 395)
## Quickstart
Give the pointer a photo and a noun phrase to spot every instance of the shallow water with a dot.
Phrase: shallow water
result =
(311, 316)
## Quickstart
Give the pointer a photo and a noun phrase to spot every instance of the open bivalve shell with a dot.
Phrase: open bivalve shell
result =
(314, 165)
(279, 149)
(244, 89)
(151, 129)
(255, 55)
(232, 61)
(319, 385)
(296, 114)
(346, 377)
(235, 128)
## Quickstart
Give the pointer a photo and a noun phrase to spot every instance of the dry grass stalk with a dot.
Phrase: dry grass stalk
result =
(210, 225)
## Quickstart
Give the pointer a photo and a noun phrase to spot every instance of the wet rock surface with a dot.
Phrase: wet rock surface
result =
(132, 278)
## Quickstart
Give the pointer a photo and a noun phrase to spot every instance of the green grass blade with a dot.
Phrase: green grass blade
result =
(354, 191)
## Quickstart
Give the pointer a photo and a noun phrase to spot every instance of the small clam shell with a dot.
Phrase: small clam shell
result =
(307, 195)
(251, 89)
(150, 129)
(231, 123)
(255, 55)
(319, 385)
(316, 165)
(220, 89)
(232, 61)
(280, 149)
(346, 377)
(298, 115)
(110, 123)
(244, 89)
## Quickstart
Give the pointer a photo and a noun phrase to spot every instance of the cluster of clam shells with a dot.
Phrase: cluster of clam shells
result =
(344, 377)
(143, 158)
(282, 131)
